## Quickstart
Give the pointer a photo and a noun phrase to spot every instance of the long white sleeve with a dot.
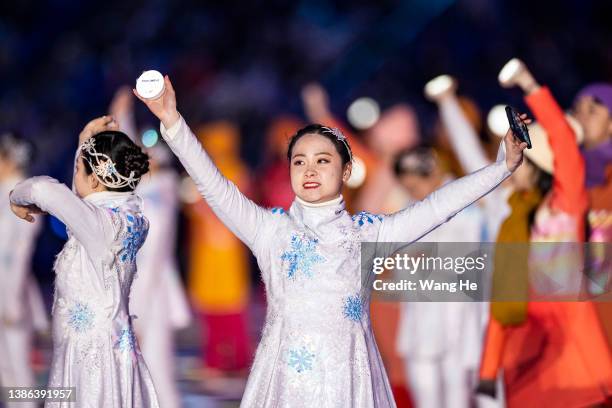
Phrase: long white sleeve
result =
(462, 136)
(90, 225)
(418, 219)
(472, 157)
(241, 215)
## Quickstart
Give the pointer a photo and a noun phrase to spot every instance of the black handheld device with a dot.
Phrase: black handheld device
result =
(518, 127)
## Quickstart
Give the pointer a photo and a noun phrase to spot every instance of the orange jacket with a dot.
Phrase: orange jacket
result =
(558, 357)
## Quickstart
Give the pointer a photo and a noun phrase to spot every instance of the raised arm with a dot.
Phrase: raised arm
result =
(90, 225)
(242, 216)
(569, 191)
(467, 146)
(316, 107)
(420, 218)
(122, 111)
(462, 136)
(94, 126)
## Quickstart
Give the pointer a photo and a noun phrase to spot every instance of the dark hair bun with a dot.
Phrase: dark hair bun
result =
(127, 155)
(134, 159)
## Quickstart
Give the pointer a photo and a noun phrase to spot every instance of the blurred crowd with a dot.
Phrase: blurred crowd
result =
(252, 74)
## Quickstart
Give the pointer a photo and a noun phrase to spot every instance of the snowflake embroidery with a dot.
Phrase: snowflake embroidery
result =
(126, 341)
(350, 240)
(353, 308)
(80, 317)
(302, 256)
(278, 210)
(365, 217)
(136, 235)
(300, 359)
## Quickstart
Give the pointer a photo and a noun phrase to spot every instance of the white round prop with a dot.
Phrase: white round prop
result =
(150, 85)
(438, 86)
(509, 70)
(363, 113)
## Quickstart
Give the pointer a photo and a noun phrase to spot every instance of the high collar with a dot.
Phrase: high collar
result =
(333, 201)
(114, 199)
(315, 215)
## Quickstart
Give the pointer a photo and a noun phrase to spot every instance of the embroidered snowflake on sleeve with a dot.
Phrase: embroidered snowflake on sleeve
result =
(364, 218)
(278, 210)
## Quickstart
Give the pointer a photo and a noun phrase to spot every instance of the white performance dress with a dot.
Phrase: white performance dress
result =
(317, 347)
(158, 300)
(441, 342)
(94, 347)
(21, 302)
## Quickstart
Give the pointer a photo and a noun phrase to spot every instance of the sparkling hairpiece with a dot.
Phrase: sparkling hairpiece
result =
(340, 137)
(104, 168)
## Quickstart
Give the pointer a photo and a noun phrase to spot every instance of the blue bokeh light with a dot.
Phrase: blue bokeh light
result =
(150, 138)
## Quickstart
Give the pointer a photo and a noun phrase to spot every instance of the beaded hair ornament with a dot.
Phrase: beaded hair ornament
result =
(340, 137)
(104, 168)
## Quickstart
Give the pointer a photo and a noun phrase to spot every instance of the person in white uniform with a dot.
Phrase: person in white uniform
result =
(158, 280)
(317, 346)
(94, 347)
(468, 148)
(157, 299)
(441, 341)
(471, 154)
(22, 310)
